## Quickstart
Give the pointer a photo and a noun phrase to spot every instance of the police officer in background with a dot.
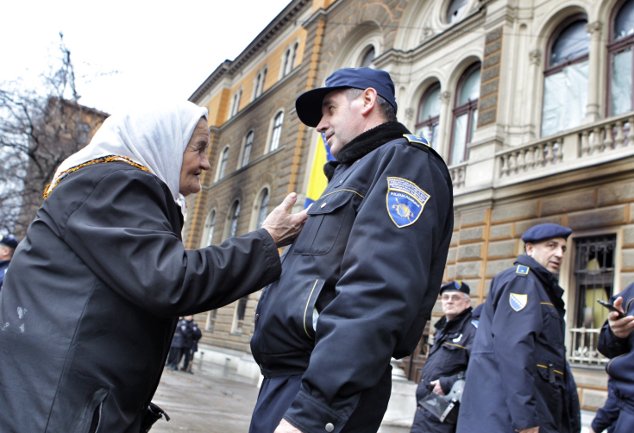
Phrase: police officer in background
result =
(448, 357)
(358, 285)
(616, 341)
(518, 379)
(8, 244)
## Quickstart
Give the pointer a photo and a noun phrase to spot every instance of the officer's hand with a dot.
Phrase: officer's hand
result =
(530, 430)
(286, 427)
(623, 327)
(282, 225)
(437, 388)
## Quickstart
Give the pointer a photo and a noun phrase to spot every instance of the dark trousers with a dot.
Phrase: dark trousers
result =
(277, 394)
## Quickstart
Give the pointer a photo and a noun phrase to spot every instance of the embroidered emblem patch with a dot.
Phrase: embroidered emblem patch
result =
(522, 270)
(416, 139)
(518, 301)
(405, 201)
(457, 339)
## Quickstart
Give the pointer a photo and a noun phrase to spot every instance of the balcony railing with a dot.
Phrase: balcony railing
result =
(583, 348)
(587, 145)
(527, 158)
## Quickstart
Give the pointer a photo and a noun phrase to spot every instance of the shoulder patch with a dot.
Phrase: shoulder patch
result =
(522, 270)
(416, 139)
(405, 201)
(518, 301)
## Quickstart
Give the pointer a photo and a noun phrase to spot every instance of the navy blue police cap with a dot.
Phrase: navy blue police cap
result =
(541, 232)
(308, 104)
(10, 241)
(456, 286)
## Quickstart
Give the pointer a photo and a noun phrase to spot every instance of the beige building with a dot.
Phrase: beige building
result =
(530, 103)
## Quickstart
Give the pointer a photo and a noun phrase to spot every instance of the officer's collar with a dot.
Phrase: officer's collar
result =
(549, 279)
(366, 143)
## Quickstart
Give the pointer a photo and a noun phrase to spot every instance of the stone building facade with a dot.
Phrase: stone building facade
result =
(530, 103)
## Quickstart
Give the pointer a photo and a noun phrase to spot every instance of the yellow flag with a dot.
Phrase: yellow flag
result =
(317, 181)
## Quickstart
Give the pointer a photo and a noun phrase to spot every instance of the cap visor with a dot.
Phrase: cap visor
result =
(308, 104)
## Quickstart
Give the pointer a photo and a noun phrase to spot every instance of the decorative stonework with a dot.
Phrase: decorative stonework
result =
(535, 57)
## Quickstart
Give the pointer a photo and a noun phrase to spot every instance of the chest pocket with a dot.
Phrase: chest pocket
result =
(329, 221)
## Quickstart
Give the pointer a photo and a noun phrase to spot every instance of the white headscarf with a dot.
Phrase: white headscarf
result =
(154, 136)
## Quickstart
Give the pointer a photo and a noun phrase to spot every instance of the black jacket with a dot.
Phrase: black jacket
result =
(4, 264)
(518, 376)
(620, 368)
(447, 362)
(89, 304)
(359, 283)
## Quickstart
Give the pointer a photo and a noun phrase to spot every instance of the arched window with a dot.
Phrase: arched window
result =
(621, 51)
(258, 86)
(238, 317)
(208, 230)
(246, 149)
(454, 10)
(288, 61)
(235, 103)
(566, 77)
(368, 56)
(276, 132)
(262, 207)
(222, 163)
(428, 117)
(234, 215)
(465, 114)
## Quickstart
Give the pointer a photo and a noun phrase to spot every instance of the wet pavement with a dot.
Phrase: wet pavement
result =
(214, 399)
(211, 400)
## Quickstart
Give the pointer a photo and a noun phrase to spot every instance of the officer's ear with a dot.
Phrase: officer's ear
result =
(528, 248)
(370, 100)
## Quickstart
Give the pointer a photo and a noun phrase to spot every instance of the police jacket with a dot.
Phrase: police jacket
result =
(621, 351)
(4, 264)
(518, 376)
(606, 416)
(446, 362)
(359, 283)
(449, 355)
(89, 305)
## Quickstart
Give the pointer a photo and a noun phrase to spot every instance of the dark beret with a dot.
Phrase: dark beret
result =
(456, 286)
(541, 232)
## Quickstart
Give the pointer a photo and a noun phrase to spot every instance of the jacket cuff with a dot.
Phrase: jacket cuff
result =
(312, 416)
(272, 258)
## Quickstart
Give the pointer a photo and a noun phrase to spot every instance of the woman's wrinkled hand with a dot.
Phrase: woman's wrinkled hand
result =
(282, 225)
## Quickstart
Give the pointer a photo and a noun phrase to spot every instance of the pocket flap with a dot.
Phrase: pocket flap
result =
(331, 202)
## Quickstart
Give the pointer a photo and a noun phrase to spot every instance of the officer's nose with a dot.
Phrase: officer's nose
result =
(322, 126)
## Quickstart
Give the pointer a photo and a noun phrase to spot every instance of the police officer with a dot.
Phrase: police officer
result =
(8, 244)
(616, 341)
(518, 378)
(360, 281)
(448, 356)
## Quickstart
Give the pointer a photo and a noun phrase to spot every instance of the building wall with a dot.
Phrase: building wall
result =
(512, 178)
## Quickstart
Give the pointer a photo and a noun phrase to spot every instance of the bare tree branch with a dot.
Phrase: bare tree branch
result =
(38, 130)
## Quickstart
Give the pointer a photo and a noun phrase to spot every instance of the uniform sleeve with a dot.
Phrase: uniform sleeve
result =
(389, 277)
(516, 322)
(609, 344)
(608, 414)
(123, 234)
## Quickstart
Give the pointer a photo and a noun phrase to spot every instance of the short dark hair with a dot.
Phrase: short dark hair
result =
(387, 110)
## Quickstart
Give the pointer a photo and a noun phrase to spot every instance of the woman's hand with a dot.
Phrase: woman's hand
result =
(282, 225)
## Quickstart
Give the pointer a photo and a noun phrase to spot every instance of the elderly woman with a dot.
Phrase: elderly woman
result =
(91, 298)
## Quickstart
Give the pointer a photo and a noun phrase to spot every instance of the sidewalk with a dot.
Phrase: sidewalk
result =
(215, 399)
